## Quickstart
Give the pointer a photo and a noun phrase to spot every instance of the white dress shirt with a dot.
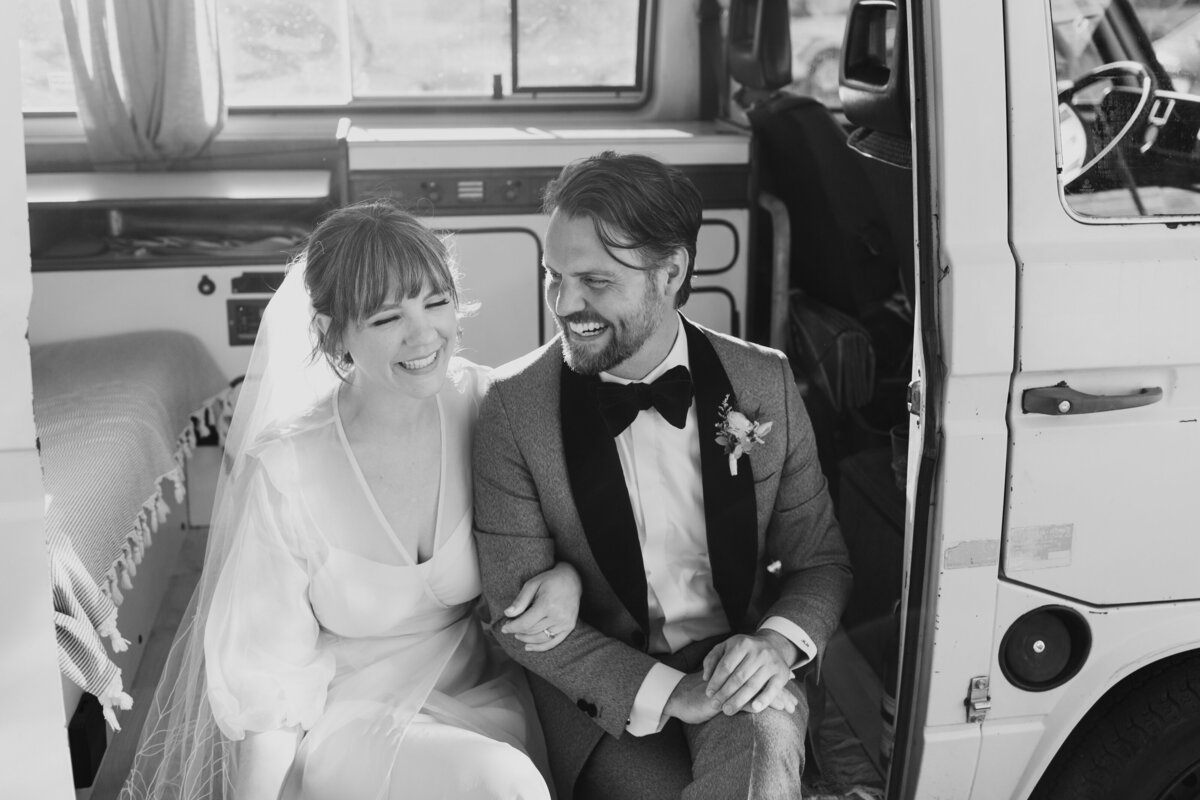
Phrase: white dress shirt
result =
(661, 464)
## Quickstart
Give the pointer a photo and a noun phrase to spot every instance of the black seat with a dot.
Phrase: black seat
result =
(849, 240)
(844, 253)
(874, 91)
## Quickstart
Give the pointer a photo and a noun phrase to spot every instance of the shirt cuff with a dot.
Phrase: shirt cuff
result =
(794, 634)
(646, 716)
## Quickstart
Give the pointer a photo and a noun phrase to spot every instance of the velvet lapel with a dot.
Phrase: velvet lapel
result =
(730, 511)
(601, 498)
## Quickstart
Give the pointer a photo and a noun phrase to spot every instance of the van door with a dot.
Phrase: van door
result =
(1105, 403)
(962, 366)
(1101, 510)
(1104, 408)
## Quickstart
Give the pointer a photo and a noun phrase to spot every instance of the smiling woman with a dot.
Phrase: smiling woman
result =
(332, 649)
(376, 274)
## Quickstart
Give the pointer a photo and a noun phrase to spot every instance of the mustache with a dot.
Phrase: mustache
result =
(582, 318)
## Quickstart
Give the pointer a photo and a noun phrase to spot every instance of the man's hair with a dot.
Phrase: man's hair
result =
(635, 203)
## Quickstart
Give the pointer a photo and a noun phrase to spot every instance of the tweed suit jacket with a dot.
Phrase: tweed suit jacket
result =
(549, 487)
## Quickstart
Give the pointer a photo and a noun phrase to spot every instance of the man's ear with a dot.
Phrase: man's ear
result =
(675, 269)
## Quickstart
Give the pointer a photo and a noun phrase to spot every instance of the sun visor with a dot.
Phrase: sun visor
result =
(874, 81)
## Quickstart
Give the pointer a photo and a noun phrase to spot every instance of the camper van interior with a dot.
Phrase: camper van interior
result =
(176, 156)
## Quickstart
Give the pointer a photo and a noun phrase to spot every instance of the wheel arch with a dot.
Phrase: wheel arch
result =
(1123, 689)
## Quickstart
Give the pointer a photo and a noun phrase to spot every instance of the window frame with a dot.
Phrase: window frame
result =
(548, 99)
(1120, 27)
(642, 65)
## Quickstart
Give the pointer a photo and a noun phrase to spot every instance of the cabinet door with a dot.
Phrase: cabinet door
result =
(501, 270)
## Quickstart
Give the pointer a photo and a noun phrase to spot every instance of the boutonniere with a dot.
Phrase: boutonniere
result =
(738, 434)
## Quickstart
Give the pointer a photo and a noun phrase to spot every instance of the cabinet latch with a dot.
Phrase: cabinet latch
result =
(978, 700)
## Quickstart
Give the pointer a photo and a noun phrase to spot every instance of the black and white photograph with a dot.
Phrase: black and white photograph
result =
(600, 400)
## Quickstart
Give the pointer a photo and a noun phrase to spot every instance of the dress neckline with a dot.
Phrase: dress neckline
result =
(370, 495)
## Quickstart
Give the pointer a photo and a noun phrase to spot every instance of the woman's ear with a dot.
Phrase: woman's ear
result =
(334, 349)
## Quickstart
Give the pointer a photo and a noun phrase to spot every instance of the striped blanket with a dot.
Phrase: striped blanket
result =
(116, 417)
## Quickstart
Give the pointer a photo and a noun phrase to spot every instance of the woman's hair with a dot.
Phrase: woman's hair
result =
(363, 256)
(635, 203)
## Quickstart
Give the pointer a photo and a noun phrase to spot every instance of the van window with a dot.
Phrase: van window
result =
(1128, 123)
(313, 53)
(817, 28)
(46, 83)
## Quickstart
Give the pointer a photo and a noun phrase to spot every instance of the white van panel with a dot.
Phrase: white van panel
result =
(33, 740)
(83, 303)
(1103, 504)
(1028, 728)
(974, 308)
(680, 143)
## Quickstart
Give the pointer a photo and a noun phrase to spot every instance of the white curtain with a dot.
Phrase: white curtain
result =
(147, 78)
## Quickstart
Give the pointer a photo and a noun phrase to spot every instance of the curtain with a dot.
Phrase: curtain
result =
(147, 79)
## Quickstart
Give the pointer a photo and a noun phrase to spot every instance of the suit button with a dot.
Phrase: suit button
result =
(638, 639)
(587, 708)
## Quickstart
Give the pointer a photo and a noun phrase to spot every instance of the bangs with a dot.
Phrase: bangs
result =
(394, 265)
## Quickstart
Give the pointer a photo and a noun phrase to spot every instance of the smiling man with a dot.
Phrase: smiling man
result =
(670, 465)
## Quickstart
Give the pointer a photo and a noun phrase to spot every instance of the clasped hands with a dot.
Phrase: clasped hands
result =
(743, 673)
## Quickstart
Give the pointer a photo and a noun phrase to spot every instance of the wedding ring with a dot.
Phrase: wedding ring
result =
(549, 635)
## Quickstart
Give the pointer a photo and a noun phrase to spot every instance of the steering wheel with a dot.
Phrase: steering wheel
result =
(1137, 120)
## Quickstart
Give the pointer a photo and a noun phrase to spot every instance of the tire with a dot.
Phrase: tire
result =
(1140, 743)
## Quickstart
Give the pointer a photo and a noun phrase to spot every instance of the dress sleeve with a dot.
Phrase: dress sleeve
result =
(263, 666)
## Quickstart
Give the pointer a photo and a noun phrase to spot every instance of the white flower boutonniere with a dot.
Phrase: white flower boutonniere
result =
(738, 434)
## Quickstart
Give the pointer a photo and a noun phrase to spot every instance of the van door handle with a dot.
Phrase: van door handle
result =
(1062, 400)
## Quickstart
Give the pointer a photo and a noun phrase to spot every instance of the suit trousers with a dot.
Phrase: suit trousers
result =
(753, 756)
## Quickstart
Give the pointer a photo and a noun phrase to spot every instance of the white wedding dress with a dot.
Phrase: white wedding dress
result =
(322, 618)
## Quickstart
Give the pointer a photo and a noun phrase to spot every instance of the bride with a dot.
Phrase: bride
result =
(332, 648)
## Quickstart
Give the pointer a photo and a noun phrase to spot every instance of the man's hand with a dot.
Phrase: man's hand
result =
(750, 673)
(689, 702)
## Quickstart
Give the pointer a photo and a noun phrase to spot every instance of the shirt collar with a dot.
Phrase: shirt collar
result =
(678, 354)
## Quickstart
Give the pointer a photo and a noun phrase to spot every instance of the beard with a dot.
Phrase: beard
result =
(626, 335)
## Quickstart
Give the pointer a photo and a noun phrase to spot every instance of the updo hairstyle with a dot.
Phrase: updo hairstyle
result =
(364, 256)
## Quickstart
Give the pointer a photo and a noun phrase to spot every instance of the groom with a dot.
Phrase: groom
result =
(670, 465)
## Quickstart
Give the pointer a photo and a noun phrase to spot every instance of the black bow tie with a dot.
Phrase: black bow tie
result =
(670, 394)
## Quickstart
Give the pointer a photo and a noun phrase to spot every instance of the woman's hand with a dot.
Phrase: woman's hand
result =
(546, 608)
